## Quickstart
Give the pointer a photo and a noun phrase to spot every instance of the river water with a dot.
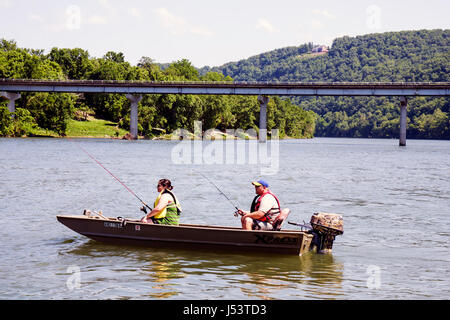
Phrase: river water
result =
(395, 202)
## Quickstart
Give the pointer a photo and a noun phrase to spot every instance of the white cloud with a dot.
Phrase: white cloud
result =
(319, 20)
(324, 14)
(179, 26)
(175, 24)
(266, 26)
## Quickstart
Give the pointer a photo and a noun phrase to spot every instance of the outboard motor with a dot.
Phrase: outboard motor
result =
(325, 228)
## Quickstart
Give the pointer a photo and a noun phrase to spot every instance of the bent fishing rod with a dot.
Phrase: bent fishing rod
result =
(123, 184)
(218, 189)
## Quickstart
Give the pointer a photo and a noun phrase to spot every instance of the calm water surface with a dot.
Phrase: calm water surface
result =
(395, 203)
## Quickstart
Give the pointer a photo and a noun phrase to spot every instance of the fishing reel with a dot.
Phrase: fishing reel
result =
(144, 209)
(237, 214)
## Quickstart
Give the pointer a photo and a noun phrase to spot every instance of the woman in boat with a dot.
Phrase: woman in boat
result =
(264, 210)
(167, 209)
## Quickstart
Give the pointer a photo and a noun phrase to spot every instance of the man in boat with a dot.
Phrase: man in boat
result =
(166, 209)
(264, 210)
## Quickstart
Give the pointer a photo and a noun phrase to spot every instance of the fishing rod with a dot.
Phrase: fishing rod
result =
(123, 184)
(237, 209)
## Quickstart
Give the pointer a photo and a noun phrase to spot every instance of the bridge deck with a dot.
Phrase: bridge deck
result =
(231, 88)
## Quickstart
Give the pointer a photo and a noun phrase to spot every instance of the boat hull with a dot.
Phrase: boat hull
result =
(133, 232)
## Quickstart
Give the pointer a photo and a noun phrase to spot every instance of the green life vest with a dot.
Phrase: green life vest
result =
(171, 213)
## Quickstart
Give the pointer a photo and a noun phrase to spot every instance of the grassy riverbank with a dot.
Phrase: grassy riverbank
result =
(94, 128)
(98, 128)
(90, 128)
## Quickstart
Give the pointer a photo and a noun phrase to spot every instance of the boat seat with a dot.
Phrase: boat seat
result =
(280, 219)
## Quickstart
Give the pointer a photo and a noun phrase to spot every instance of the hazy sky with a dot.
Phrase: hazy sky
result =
(206, 32)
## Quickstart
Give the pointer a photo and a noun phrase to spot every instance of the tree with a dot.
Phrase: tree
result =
(435, 124)
(8, 45)
(245, 109)
(5, 122)
(114, 56)
(51, 110)
(217, 112)
(153, 70)
(21, 124)
(75, 63)
(182, 70)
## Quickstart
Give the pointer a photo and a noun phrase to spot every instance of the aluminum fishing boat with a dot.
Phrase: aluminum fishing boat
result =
(134, 232)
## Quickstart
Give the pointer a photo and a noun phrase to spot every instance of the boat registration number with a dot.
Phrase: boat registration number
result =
(112, 225)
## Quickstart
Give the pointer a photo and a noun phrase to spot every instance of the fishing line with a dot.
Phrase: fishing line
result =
(219, 190)
(123, 184)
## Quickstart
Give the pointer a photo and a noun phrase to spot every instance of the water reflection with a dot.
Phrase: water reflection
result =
(310, 275)
(165, 273)
(160, 273)
(324, 274)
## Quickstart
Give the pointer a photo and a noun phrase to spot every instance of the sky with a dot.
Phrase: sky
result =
(206, 32)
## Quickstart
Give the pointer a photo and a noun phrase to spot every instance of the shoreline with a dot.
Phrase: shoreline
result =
(211, 134)
(169, 139)
(223, 137)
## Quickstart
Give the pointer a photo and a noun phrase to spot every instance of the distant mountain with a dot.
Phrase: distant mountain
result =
(394, 56)
(408, 56)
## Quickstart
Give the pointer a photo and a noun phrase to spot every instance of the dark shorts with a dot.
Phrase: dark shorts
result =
(261, 225)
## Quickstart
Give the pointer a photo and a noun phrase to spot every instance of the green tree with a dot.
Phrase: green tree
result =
(23, 123)
(5, 122)
(436, 124)
(51, 110)
(245, 109)
(182, 70)
(75, 63)
(217, 112)
(154, 72)
(117, 57)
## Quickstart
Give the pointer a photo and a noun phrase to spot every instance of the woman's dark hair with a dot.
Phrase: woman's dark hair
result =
(165, 183)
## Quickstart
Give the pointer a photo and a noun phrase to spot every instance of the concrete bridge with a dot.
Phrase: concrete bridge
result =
(11, 88)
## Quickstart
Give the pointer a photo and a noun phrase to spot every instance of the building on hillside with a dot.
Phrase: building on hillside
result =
(319, 49)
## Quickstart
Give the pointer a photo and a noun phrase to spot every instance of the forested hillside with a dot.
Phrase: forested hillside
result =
(158, 114)
(395, 56)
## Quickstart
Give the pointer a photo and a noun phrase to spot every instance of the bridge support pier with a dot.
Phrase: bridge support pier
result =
(12, 97)
(134, 99)
(263, 101)
(403, 105)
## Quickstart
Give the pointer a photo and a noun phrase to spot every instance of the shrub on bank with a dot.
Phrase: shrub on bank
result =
(17, 124)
